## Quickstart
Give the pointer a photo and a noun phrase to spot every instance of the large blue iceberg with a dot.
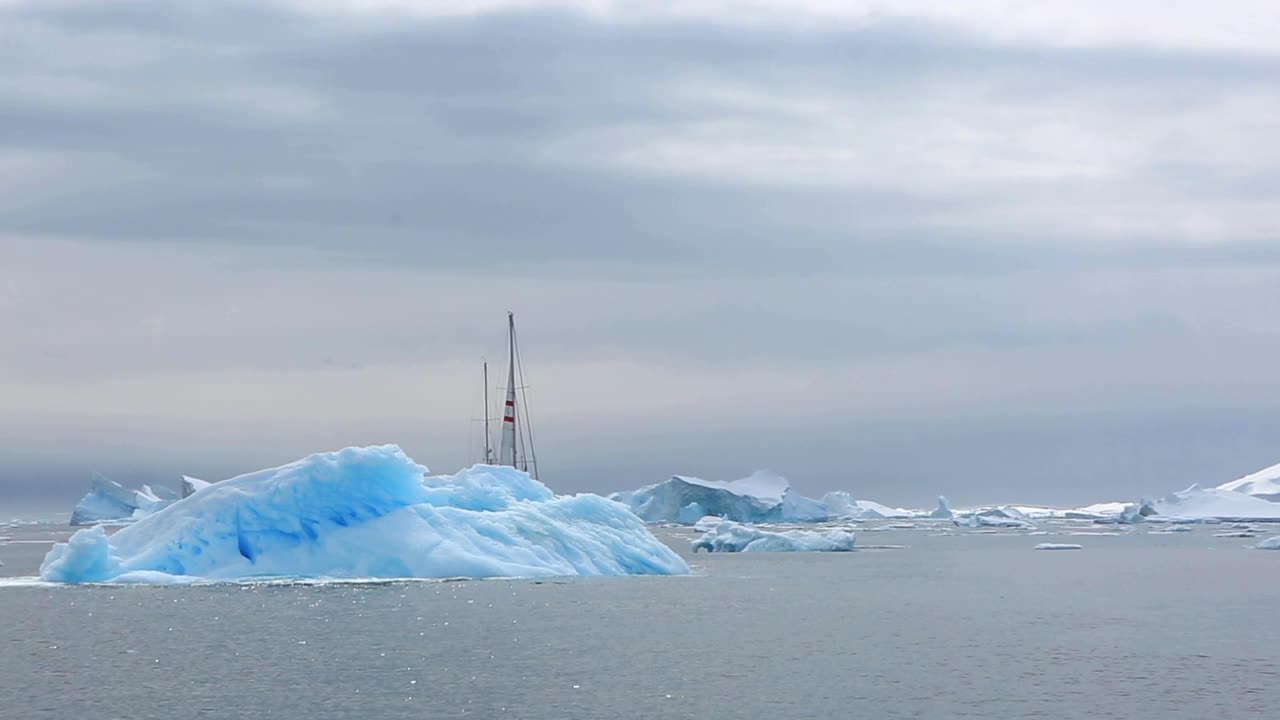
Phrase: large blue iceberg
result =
(368, 513)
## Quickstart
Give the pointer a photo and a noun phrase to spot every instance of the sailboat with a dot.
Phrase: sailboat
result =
(515, 448)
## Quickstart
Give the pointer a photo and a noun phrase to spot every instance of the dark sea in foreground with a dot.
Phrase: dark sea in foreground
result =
(956, 624)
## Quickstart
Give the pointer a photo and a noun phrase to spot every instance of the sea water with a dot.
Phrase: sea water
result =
(951, 623)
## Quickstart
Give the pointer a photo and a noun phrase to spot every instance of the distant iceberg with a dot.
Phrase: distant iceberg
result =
(763, 497)
(943, 511)
(729, 536)
(1059, 546)
(368, 512)
(1264, 484)
(1197, 503)
(842, 504)
(1006, 516)
(109, 501)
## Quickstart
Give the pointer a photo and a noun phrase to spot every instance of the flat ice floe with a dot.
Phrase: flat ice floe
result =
(729, 536)
(368, 513)
(1059, 546)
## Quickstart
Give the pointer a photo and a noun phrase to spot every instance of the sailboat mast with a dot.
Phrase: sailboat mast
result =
(507, 450)
(488, 449)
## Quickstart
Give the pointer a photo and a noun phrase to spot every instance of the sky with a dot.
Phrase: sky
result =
(1003, 251)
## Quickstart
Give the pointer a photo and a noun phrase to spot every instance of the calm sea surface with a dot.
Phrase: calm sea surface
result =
(955, 625)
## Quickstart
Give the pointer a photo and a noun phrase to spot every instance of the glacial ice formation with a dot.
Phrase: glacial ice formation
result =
(190, 485)
(729, 536)
(368, 512)
(1197, 503)
(943, 511)
(109, 501)
(761, 498)
(842, 504)
(707, 523)
(1264, 484)
(1005, 516)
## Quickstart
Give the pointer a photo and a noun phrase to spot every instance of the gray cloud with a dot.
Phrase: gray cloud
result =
(729, 244)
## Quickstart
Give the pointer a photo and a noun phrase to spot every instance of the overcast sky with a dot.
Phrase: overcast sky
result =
(1002, 251)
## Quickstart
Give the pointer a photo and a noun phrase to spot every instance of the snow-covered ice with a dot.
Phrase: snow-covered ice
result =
(707, 523)
(1197, 503)
(368, 512)
(842, 504)
(1058, 546)
(729, 536)
(1101, 509)
(1264, 484)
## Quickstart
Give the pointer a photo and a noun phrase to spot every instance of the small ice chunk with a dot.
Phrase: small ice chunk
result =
(1271, 543)
(707, 523)
(1058, 546)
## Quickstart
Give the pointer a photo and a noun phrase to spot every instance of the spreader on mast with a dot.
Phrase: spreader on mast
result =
(507, 448)
(516, 446)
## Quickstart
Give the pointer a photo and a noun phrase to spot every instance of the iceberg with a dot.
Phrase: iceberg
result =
(707, 523)
(109, 501)
(1264, 484)
(691, 514)
(1271, 543)
(842, 504)
(190, 485)
(1003, 516)
(729, 536)
(1197, 503)
(943, 511)
(1058, 546)
(762, 497)
(1102, 509)
(365, 513)
(798, 508)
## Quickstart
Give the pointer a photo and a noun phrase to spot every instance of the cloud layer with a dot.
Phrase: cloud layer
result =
(787, 236)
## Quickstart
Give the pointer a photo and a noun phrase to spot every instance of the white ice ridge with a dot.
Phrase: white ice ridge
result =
(842, 504)
(1200, 503)
(729, 536)
(1058, 546)
(1264, 484)
(370, 513)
